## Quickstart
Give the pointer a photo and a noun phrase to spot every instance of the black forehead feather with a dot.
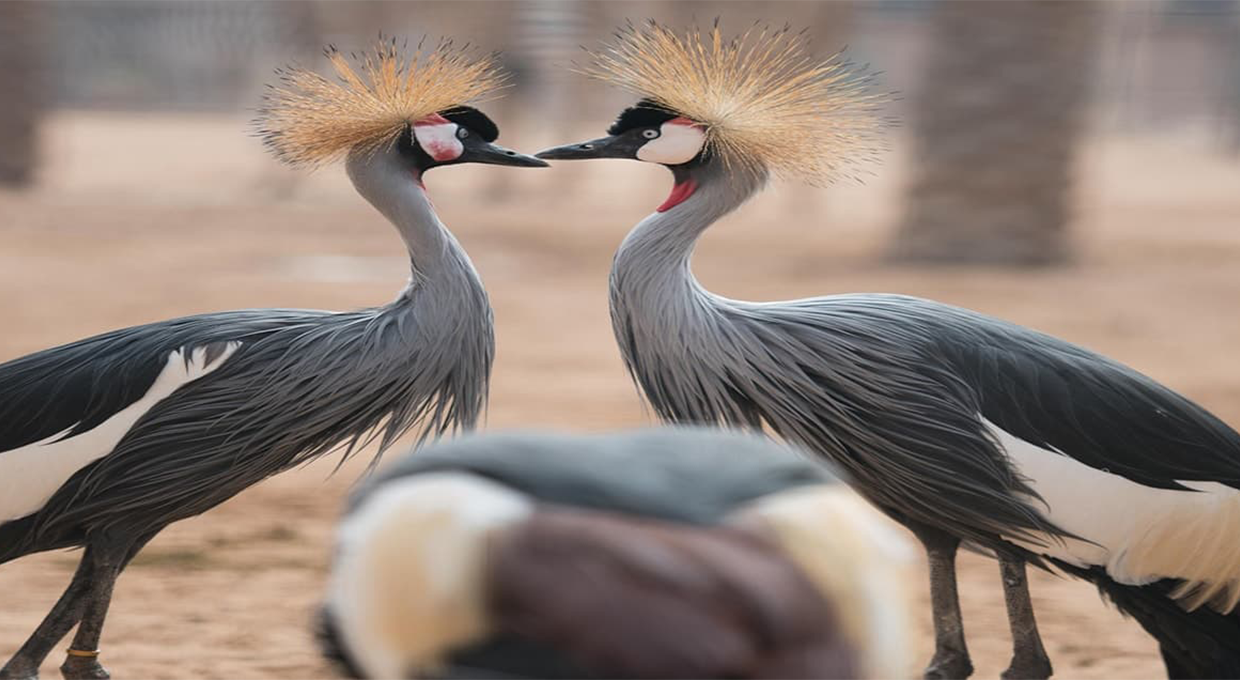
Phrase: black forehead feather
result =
(475, 120)
(646, 113)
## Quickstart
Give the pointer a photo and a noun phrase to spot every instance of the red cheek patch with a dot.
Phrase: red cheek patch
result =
(437, 137)
(680, 192)
(681, 120)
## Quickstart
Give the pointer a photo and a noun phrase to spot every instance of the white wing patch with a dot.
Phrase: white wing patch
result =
(1141, 533)
(407, 583)
(30, 475)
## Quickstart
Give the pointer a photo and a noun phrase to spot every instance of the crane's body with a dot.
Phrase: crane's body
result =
(134, 429)
(939, 414)
(1011, 439)
(671, 552)
(106, 441)
(964, 427)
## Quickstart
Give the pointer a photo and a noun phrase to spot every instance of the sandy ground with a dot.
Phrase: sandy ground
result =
(142, 218)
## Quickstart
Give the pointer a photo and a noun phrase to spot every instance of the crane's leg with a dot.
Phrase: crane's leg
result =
(64, 614)
(1029, 659)
(111, 557)
(951, 655)
(83, 655)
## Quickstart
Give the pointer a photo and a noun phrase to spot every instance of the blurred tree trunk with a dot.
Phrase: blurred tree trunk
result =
(997, 122)
(21, 23)
(1232, 68)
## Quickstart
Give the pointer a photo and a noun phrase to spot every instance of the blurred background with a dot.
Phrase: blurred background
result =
(1072, 166)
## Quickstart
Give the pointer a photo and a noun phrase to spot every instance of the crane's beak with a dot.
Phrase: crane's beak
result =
(495, 154)
(603, 147)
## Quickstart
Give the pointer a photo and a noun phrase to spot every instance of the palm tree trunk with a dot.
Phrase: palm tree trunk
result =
(1232, 68)
(997, 123)
(20, 79)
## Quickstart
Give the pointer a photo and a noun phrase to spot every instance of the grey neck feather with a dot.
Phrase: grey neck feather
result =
(385, 180)
(654, 258)
(670, 330)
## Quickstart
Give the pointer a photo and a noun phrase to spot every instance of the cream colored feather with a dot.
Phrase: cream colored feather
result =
(860, 561)
(766, 102)
(308, 119)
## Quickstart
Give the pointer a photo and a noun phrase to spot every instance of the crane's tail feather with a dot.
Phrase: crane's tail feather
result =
(1202, 643)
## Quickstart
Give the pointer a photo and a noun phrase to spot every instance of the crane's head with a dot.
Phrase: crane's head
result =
(648, 131)
(414, 108)
(461, 134)
(758, 103)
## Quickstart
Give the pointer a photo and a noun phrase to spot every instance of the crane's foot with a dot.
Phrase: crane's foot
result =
(83, 667)
(949, 666)
(1028, 668)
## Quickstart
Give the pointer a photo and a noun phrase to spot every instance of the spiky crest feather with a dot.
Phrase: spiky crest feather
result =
(766, 102)
(308, 119)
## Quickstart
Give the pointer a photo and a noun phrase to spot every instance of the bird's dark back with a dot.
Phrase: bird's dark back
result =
(682, 474)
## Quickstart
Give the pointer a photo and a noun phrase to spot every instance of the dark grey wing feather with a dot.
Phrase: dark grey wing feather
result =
(82, 384)
(852, 378)
(75, 386)
(1063, 397)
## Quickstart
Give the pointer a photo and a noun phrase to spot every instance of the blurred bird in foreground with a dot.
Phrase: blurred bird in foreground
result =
(105, 441)
(962, 426)
(671, 553)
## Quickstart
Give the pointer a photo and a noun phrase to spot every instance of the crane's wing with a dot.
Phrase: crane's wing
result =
(1065, 398)
(74, 388)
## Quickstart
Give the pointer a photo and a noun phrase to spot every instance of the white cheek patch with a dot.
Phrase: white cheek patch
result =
(439, 140)
(678, 143)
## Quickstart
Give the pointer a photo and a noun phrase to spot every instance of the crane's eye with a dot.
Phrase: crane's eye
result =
(650, 133)
(462, 133)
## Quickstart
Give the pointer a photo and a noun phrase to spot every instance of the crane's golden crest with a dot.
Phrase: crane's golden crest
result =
(766, 103)
(308, 119)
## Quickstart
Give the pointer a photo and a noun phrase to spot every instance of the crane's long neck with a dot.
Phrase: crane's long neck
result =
(399, 195)
(428, 241)
(668, 326)
(652, 264)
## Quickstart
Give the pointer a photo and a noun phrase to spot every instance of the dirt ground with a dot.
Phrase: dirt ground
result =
(142, 218)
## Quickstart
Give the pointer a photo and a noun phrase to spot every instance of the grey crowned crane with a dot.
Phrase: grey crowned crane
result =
(667, 553)
(105, 441)
(961, 426)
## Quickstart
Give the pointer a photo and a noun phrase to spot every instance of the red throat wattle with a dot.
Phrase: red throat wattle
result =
(680, 192)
